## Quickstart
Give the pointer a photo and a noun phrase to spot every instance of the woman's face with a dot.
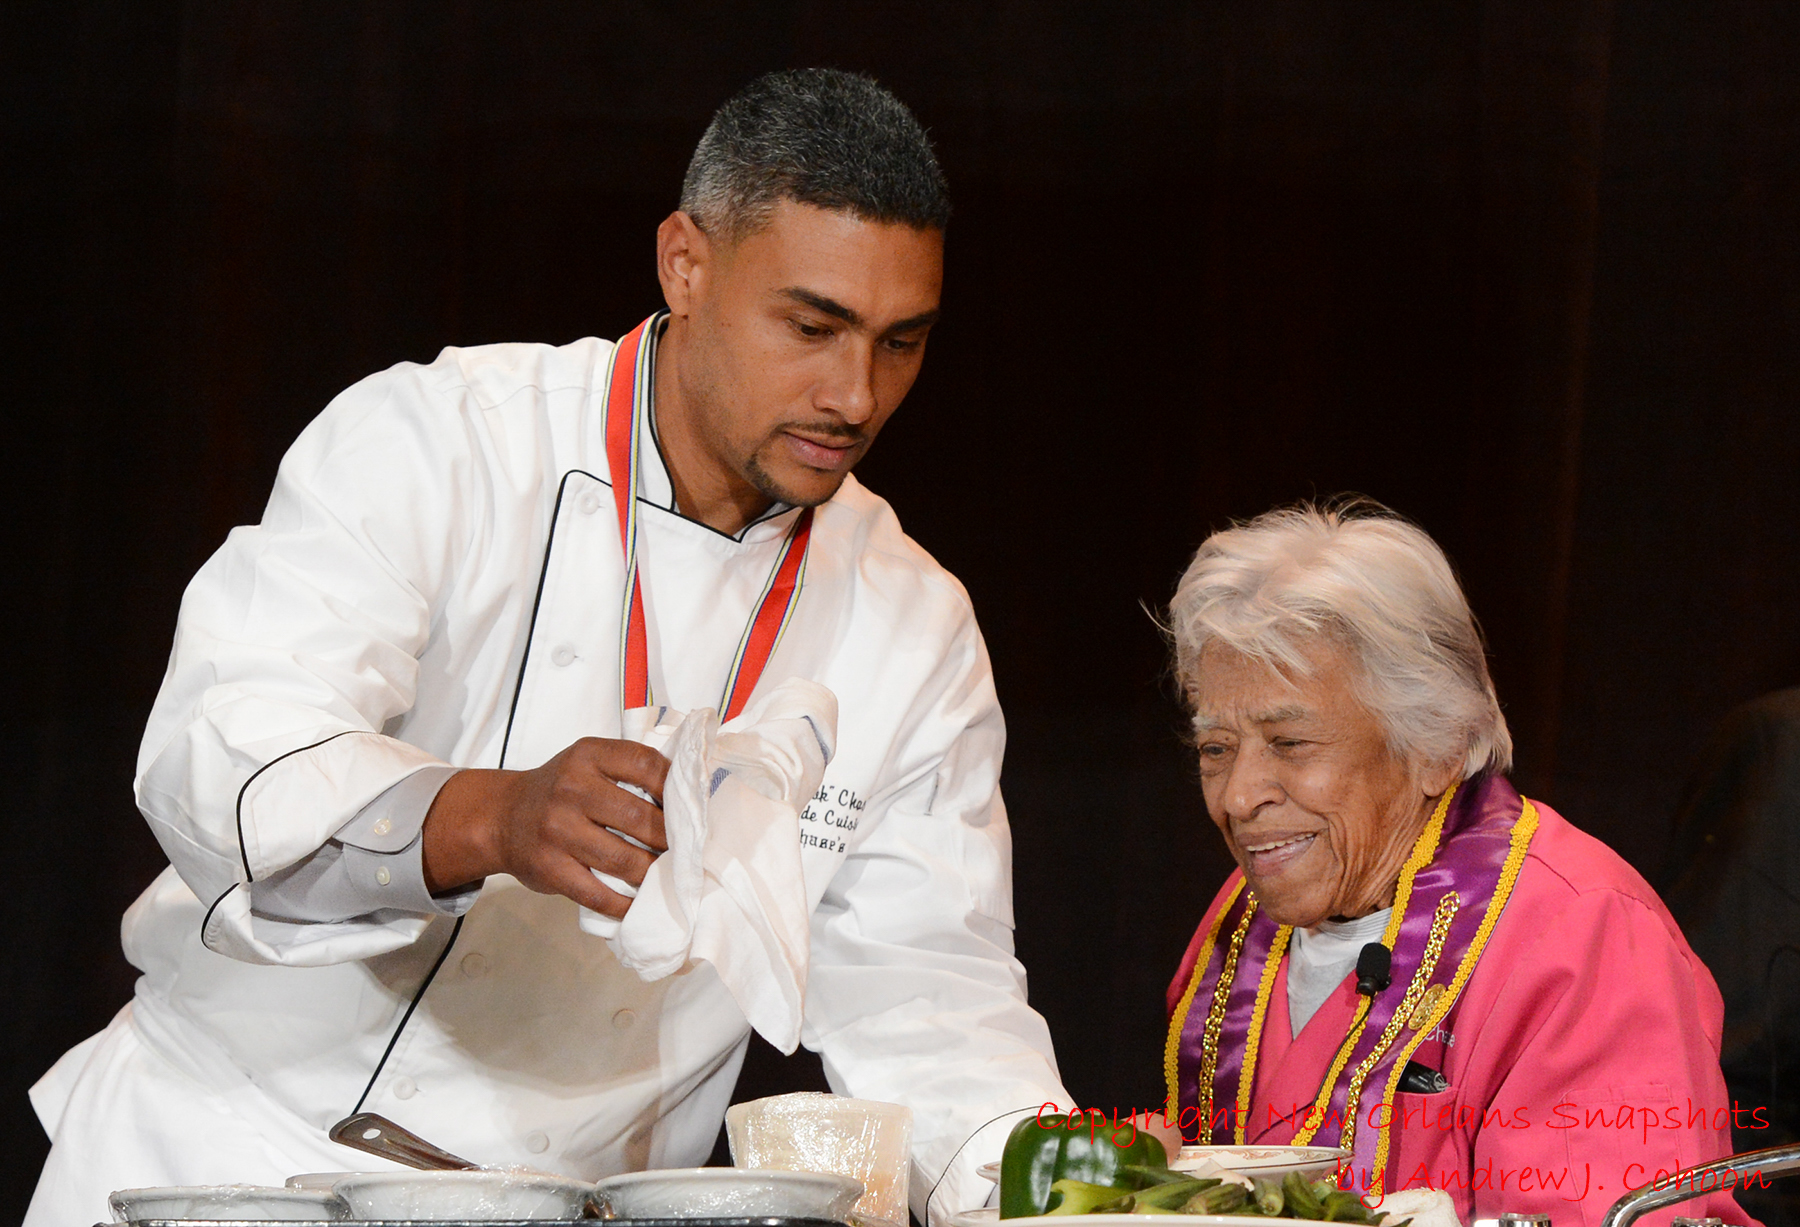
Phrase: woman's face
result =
(1298, 778)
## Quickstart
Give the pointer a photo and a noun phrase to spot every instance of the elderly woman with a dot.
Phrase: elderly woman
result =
(1412, 961)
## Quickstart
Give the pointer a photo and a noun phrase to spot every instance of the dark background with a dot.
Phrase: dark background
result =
(1524, 271)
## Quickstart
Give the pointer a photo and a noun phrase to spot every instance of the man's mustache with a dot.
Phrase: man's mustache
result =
(837, 434)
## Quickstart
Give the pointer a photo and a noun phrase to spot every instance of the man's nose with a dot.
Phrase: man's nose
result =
(849, 392)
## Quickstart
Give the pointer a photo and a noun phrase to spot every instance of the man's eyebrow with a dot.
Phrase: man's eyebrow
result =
(837, 310)
(924, 319)
(827, 306)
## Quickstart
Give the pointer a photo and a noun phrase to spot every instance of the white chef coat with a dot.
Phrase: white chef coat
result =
(438, 580)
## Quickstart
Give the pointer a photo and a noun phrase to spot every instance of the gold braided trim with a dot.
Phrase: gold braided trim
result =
(1424, 850)
(1215, 1017)
(1446, 910)
(1172, 1051)
(1253, 1041)
(1522, 831)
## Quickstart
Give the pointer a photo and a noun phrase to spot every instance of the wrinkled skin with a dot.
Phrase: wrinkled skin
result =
(1299, 780)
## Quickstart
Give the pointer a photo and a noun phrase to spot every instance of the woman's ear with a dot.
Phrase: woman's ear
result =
(1436, 778)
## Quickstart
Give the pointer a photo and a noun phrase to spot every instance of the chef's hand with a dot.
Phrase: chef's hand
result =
(548, 827)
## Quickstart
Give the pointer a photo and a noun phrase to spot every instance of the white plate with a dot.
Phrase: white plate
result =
(439, 1196)
(225, 1202)
(316, 1180)
(990, 1217)
(729, 1192)
(1268, 1162)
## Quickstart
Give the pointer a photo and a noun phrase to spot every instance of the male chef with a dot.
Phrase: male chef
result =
(387, 758)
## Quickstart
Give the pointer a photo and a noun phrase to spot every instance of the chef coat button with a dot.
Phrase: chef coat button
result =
(537, 1143)
(474, 966)
(563, 655)
(382, 876)
(589, 503)
(405, 1088)
(624, 1018)
(382, 826)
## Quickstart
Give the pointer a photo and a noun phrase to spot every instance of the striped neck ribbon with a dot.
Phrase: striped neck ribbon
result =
(630, 385)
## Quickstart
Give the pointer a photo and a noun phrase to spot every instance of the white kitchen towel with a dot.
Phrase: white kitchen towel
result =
(730, 890)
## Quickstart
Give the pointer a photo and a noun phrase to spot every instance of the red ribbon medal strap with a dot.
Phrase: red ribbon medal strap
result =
(622, 394)
(627, 400)
(780, 596)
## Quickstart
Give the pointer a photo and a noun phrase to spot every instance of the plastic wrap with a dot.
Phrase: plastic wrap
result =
(815, 1132)
(225, 1202)
(724, 1192)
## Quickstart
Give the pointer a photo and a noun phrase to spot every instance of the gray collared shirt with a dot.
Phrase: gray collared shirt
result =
(375, 863)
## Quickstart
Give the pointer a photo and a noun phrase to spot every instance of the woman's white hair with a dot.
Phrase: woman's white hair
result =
(1361, 577)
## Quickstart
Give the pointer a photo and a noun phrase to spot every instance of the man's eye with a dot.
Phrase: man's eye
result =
(903, 345)
(810, 331)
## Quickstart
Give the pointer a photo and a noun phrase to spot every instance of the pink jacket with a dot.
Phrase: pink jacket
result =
(1583, 1058)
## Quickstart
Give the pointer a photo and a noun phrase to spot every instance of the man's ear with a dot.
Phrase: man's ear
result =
(683, 256)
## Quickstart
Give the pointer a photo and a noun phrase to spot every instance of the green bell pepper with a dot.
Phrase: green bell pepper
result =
(1085, 1147)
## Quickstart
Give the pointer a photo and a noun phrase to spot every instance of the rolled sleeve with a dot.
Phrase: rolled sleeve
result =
(297, 649)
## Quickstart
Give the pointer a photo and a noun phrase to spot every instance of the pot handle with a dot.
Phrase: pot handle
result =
(1699, 1181)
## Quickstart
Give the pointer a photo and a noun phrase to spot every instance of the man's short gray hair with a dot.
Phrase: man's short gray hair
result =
(821, 137)
(1373, 584)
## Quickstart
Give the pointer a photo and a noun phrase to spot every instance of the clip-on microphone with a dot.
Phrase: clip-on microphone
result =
(1373, 966)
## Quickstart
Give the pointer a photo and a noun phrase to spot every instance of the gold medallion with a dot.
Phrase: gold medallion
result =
(1427, 1007)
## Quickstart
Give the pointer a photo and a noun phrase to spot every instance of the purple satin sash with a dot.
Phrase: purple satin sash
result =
(1471, 855)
